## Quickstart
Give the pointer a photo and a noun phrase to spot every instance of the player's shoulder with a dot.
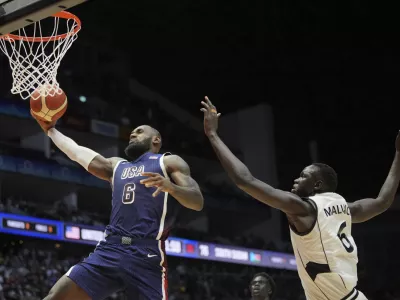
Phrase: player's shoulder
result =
(115, 160)
(174, 162)
(173, 157)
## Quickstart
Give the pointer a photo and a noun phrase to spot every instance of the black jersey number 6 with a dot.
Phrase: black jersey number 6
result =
(343, 238)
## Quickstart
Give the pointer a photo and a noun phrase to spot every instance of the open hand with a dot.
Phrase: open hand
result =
(211, 117)
(46, 126)
(156, 180)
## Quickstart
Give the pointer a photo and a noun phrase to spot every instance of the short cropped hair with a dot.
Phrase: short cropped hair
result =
(270, 281)
(328, 176)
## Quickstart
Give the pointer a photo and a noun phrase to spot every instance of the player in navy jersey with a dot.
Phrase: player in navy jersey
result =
(131, 257)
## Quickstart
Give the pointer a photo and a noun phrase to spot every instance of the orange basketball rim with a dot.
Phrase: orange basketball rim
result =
(34, 59)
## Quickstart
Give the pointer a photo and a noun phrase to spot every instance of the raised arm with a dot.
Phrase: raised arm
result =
(92, 161)
(183, 188)
(365, 209)
(241, 175)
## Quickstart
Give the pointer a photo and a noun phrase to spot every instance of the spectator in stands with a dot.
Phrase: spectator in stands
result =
(262, 287)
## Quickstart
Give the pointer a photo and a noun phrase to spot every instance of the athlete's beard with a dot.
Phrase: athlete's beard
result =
(136, 149)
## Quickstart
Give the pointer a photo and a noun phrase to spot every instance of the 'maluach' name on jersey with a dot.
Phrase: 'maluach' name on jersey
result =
(337, 210)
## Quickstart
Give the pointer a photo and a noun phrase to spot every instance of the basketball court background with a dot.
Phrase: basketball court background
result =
(328, 72)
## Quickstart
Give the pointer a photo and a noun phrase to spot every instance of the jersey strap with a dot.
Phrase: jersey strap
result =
(352, 295)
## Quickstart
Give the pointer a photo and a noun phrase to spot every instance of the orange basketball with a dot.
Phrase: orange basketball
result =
(48, 108)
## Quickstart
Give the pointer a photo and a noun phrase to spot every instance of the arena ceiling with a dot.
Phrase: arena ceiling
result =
(329, 70)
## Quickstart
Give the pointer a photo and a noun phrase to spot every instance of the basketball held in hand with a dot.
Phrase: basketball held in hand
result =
(48, 108)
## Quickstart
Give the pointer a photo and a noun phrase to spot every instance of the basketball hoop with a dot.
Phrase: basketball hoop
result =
(34, 58)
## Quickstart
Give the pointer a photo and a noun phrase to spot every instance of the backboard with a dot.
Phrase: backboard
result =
(15, 14)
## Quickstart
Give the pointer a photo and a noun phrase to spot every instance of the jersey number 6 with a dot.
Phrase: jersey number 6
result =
(129, 193)
(343, 238)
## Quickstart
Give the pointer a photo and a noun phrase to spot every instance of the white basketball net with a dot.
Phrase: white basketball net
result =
(34, 64)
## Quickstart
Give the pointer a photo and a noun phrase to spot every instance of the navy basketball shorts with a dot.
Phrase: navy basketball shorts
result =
(139, 267)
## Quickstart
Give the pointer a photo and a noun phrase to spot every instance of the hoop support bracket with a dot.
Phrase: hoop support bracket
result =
(13, 17)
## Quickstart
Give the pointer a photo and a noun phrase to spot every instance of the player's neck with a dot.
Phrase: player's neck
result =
(136, 156)
(260, 298)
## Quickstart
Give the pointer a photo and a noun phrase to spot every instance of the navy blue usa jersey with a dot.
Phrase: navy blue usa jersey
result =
(135, 212)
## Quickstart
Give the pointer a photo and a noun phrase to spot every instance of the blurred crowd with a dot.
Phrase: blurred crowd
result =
(28, 269)
(59, 211)
(56, 211)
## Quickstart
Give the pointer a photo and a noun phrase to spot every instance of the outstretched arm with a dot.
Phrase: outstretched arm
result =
(92, 161)
(183, 188)
(365, 209)
(241, 175)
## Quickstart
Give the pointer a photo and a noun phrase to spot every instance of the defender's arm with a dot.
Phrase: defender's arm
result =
(241, 176)
(365, 209)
